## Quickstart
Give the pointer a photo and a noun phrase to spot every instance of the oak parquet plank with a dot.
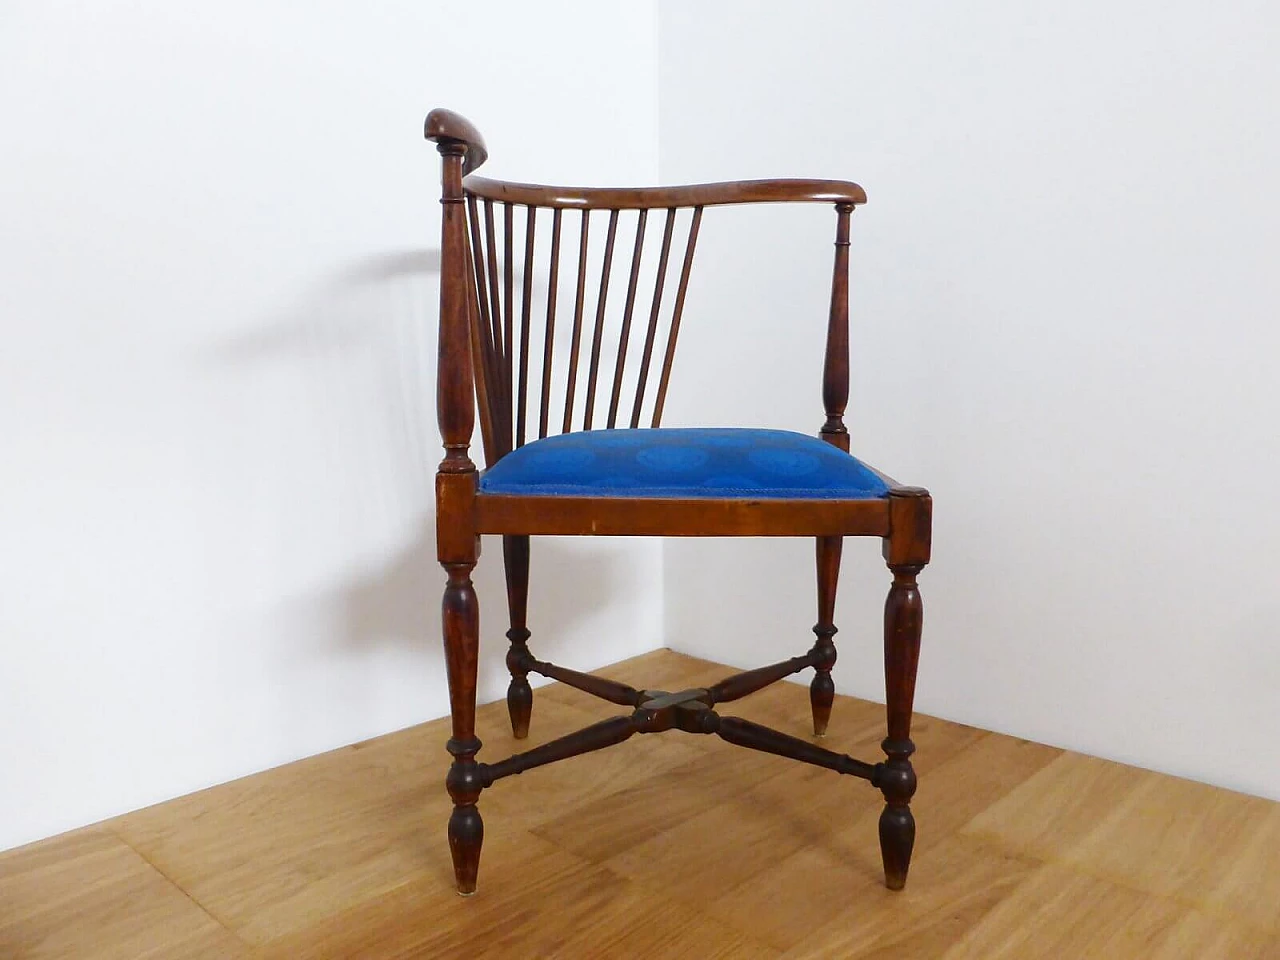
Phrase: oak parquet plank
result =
(1061, 911)
(87, 894)
(954, 885)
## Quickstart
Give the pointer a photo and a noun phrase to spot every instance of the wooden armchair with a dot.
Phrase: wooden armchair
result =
(612, 477)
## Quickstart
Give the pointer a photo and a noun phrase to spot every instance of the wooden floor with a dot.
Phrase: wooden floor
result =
(665, 846)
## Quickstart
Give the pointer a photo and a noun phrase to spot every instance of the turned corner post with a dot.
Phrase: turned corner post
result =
(906, 551)
(457, 545)
(835, 397)
(455, 403)
(835, 371)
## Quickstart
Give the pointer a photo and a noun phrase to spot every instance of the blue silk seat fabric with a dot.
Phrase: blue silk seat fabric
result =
(684, 462)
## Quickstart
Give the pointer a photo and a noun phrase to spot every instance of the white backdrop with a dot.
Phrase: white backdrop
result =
(1064, 302)
(218, 284)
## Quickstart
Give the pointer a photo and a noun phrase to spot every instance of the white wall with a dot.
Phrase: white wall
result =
(218, 286)
(1064, 323)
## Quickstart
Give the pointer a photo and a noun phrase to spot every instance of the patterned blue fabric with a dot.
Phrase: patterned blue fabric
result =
(684, 462)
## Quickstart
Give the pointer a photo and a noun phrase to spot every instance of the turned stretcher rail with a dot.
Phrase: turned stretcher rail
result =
(601, 687)
(686, 710)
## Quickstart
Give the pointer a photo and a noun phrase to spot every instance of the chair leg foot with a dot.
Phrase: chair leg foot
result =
(466, 836)
(822, 690)
(519, 704)
(897, 837)
(822, 694)
(515, 559)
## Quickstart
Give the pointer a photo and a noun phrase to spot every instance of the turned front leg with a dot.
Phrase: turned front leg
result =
(822, 691)
(461, 616)
(903, 617)
(515, 558)
(906, 551)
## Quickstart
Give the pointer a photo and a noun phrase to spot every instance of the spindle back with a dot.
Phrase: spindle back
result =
(534, 377)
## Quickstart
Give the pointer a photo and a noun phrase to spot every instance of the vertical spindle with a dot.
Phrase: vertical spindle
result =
(598, 334)
(674, 332)
(553, 280)
(625, 332)
(509, 301)
(526, 304)
(654, 312)
(495, 311)
(576, 340)
(484, 337)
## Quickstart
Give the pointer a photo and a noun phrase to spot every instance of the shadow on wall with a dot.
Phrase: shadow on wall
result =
(349, 413)
(400, 599)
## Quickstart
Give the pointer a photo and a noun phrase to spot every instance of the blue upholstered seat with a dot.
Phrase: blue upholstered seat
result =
(684, 462)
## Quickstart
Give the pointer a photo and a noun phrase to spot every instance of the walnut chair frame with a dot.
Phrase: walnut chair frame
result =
(483, 363)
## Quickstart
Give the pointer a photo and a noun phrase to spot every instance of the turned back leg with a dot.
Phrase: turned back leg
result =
(515, 558)
(822, 691)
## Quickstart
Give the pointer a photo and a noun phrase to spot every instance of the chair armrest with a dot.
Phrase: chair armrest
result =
(445, 125)
(691, 195)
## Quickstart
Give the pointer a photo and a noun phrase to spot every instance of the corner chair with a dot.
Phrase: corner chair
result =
(613, 470)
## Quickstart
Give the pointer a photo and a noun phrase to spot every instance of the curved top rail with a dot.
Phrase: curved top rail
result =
(641, 198)
(444, 124)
